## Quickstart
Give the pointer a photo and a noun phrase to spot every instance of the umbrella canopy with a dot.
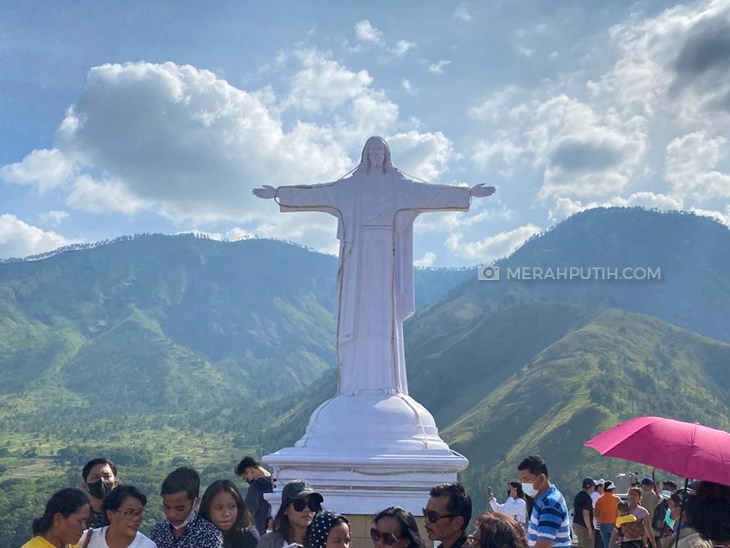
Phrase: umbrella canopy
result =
(686, 449)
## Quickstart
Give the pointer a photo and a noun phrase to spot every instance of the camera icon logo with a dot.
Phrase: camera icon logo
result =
(488, 272)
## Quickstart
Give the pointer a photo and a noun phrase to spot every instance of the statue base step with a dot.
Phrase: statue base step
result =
(368, 451)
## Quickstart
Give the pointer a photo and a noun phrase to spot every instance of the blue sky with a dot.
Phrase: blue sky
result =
(121, 118)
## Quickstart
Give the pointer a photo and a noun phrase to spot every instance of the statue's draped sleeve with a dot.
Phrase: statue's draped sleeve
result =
(308, 198)
(421, 198)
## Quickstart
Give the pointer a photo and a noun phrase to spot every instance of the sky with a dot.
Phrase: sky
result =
(119, 118)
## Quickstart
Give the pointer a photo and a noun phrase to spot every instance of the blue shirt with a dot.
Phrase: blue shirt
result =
(549, 519)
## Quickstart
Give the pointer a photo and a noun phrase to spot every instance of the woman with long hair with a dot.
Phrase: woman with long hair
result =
(299, 504)
(515, 505)
(124, 509)
(498, 531)
(395, 527)
(223, 505)
(63, 521)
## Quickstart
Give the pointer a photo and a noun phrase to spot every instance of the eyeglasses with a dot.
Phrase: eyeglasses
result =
(386, 538)
(300, 504)
(433, 516)
(131, 514)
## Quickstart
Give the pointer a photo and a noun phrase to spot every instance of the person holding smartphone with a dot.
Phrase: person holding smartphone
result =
(515, 505)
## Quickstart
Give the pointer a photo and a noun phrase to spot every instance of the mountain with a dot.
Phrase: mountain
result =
(160, 350)
(693, 290)
(181, 311)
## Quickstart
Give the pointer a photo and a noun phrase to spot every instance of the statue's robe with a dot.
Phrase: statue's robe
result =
(375, 214)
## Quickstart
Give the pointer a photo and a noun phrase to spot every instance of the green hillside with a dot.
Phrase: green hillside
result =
(608, 366)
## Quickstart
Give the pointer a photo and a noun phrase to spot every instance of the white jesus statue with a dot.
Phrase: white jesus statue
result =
(375, 208)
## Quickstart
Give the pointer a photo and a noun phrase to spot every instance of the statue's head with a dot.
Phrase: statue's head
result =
(375, 156)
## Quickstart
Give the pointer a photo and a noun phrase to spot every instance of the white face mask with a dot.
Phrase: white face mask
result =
(185, 523)
(529, 490)
(666, 493)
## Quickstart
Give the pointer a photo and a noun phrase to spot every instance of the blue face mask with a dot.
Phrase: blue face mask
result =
(668, 518)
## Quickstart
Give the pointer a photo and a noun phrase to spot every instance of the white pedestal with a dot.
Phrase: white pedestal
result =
(367, 452)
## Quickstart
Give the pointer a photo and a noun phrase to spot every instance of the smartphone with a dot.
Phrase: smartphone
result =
(489, 491)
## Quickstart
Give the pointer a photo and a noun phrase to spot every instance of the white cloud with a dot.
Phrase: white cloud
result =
(45, 168)
(523, 50)
(366, 32)
(504, 149)
(585, 153)
(402, 47)
(462, 12)
(492, 247)
(723, 217)
(438, 66)
(324, 83)
(690, 166)
(188, 145)
(237, 233)
(674, 65)
(106, 196)
(406, 85)
(19, 239)
(424, 155)
(427, 260)
(53, 217)
(495, 106)
(565, 207)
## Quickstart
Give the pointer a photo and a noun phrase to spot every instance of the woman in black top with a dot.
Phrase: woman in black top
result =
(223, 505)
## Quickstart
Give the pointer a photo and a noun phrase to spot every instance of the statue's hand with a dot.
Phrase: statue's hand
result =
(481, 191)
(266, 192)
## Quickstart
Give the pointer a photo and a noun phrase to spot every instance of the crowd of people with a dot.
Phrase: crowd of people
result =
(105, 514)
(650, 518)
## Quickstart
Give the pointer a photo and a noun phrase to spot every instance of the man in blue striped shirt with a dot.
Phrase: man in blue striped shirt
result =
(549, 523)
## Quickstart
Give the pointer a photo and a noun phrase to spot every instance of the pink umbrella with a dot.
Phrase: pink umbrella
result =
(686, 449)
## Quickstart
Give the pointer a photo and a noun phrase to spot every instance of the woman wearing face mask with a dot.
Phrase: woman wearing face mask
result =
(223, 505)
(515, 505)
(299, 504)
(124, 508)
(678, 518)
(395, 527)
(328, 530)
(63, 521)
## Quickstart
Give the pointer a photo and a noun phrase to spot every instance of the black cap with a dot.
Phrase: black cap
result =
(680, 496)
(589, 482)
(298, 489)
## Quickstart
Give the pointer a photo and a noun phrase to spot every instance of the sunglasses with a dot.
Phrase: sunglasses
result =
(433, 517)
(301, 504)
(386, 538)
